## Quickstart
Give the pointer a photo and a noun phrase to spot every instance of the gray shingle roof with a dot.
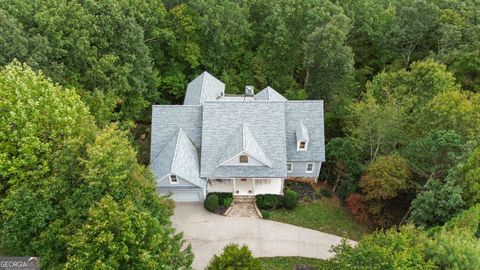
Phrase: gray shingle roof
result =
(269, 94)
(302, 133)
(167, 119)
(243, 141)
(203, 88)
(310, 113)
(179, 157)
(265, 121)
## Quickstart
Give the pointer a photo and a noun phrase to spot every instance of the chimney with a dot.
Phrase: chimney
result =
(249, 91)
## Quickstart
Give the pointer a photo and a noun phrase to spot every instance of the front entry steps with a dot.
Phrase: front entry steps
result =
(243, 206)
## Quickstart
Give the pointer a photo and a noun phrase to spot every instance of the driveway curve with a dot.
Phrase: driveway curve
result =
(209, 233)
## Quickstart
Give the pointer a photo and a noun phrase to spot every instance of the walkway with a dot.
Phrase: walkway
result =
(209, 233)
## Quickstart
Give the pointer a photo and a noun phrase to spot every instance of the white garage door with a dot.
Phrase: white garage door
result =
(187, 196)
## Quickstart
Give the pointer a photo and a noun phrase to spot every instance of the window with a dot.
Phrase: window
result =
(309, 168)
(289, 167)
(243, 159)
(173, 179)
(302, 145)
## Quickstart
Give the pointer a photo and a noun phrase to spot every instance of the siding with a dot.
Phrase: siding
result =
(299, 167)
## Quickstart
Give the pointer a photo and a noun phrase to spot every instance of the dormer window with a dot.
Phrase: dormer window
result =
(243, 159)
(302, 146)
(173, 179)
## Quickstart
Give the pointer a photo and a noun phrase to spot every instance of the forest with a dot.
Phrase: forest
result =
(400, 80)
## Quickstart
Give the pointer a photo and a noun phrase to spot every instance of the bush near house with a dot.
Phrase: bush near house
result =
(226, 202)
(269, 201)
(266, 214)
(223, 198)
(291, 199)
(211, 203)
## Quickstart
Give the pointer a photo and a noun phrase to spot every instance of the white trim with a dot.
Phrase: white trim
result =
(237, 156)
(291, 167)
(176, 178)
(306, 167)
(306, 145)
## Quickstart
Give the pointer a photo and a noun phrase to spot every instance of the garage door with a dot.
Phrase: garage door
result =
(187, 196)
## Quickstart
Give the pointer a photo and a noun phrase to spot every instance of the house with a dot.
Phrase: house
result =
(244, 144)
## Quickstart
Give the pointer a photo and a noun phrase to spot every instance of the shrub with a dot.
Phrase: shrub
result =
(222, 196)
(355, 202)
(211, 203)
(227, 202)
(291, 199)
(266, 214)
(234, 257)
(269, 201)
(326, 193)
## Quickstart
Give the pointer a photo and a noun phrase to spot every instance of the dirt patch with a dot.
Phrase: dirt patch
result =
(304, 190)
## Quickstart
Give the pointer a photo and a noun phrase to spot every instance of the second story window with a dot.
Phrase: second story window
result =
(243, 159)
(289, 167)
(302, 146)
(173, 179)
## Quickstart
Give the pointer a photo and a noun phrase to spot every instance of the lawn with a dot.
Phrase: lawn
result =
(326, 215)
(289, 263)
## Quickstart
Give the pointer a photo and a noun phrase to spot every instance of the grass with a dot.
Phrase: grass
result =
(325, 215)
(289, 263)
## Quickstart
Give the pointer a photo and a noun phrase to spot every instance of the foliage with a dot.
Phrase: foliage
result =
(60, 174)
(385, 250)
(290, 199)
(226, 202)
(223, 198)
(211, 203)
(468, 219)
(269, 201)
(289, 263)
(454, 249)
(356, 203)
(469, 174)
(436, 204)
(325, 193)
(384, 179)
(235, 258)
(265, 214)
(342, 167)
(434, 154)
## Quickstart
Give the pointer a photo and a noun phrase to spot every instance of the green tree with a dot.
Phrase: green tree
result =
(391, 249)
(234, 258)
(375, 129)
(384, 179)
(469, 178)
(329, 62)
(434, 154)
(60, 174)
(119, 235)
(436, 204)
(343, 167)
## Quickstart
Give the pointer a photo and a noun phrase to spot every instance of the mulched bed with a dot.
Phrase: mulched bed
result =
(304, 190)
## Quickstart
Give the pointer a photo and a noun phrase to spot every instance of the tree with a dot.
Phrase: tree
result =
(118, 234)
(375, 129)
(469, 178)
(391, 249)
(329, 61)
(454, 249)
(234, 258)
(434, 154)
(62, 174)
(384, 179)
(343, 166)
(456, 110)
(436, 204)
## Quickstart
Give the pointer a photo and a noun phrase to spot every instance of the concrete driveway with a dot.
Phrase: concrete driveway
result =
(209, 233)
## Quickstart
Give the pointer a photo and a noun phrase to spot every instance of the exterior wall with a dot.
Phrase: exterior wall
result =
(220, 185)
(299, 169)
(181, 182)
(236, 161)
(256, 185)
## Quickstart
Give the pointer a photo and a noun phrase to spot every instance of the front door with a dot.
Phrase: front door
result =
(243, 186)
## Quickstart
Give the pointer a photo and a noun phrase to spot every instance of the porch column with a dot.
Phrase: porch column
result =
(253, 186)
(234, 190)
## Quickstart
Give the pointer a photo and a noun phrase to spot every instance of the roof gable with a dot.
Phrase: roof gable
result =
(203, 88)
(243, 141)
(269, 94)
